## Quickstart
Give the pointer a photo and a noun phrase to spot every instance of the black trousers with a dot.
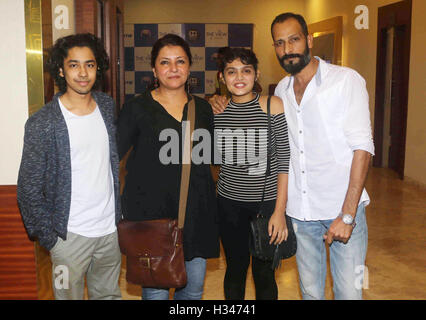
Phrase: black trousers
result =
(234, 232)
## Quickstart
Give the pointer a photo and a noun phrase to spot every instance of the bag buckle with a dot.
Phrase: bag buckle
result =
(145, 262)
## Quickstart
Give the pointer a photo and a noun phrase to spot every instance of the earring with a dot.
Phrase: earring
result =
(155, 83)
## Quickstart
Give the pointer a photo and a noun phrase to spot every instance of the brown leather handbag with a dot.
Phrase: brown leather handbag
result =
(154, 248)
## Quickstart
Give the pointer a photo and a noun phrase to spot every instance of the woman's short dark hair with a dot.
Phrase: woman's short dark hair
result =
(59, 52)
(246, 56)
(169, 40)
(287, 15)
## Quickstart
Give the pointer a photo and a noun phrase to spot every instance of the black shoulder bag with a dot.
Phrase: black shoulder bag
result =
(259, 237)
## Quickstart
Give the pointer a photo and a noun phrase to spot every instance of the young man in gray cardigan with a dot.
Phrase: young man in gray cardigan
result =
(68, 186)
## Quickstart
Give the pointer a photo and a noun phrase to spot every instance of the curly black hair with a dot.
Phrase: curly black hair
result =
(59, 52)
(246, 56)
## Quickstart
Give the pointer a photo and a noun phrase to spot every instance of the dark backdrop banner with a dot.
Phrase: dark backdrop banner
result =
(204, 40)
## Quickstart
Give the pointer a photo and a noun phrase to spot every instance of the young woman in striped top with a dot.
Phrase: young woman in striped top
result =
(242, 141)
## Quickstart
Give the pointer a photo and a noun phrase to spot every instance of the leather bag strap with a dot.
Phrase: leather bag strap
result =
(186, 161)
(269, 151)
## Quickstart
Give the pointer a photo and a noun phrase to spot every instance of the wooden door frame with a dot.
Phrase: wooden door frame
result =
(121, 57)
(398, 13)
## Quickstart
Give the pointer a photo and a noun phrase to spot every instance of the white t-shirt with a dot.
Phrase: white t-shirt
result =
(92, 212)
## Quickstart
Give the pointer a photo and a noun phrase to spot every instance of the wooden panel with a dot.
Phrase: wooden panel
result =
(47, 38)
(85, 16)
(17, 261)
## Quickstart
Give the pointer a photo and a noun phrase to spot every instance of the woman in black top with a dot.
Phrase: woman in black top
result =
(152, 125)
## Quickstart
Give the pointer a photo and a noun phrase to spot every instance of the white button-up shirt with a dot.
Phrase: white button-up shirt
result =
(331, 122)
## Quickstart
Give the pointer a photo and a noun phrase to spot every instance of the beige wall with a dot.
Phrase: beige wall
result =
(259, 12)
(359, 52)
(13, 88)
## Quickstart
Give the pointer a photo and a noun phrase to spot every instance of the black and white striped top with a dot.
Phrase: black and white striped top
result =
(242, 141)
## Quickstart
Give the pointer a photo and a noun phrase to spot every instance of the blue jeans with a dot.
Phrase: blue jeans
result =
(195, 271)
(347, 261)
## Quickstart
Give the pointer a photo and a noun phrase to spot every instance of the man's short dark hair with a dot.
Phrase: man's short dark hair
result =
(59, 52)
(287, 15)
(246, 56)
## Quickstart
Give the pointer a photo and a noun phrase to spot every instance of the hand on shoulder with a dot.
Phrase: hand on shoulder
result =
(218, 103)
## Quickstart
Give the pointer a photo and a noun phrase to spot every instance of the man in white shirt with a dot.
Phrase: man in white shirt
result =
(331, 145)
(68, 186)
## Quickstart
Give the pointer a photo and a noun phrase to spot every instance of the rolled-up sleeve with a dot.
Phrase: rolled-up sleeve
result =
(357, 124)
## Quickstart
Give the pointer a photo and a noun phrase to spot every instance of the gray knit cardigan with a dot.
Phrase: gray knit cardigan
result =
(44, 181)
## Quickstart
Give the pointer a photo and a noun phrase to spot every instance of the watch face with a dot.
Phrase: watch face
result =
(347, 219)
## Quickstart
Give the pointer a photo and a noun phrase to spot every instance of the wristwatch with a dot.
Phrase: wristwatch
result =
(348, 219)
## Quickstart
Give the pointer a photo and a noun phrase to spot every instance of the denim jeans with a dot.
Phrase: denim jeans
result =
(347, 261)
(195, 271)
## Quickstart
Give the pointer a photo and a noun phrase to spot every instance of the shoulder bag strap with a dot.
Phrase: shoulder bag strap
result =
(186, 161)
(268, 151)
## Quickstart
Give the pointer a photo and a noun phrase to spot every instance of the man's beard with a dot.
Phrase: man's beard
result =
(296, 67)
